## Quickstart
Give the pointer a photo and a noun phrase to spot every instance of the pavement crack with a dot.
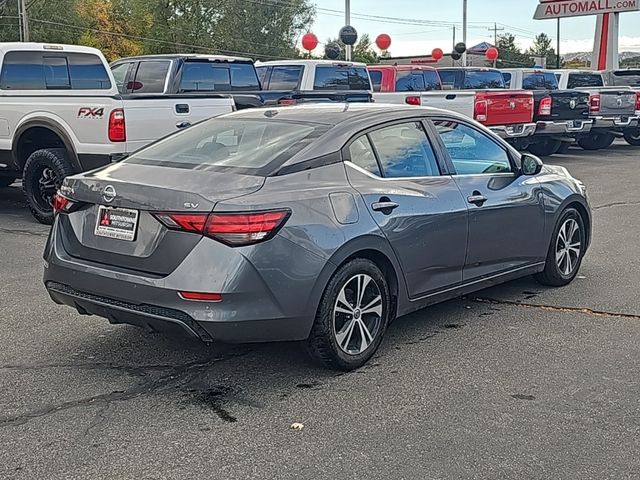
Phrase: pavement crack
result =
(18, 231)
(175, 376)
(553, 308)
(615, 204)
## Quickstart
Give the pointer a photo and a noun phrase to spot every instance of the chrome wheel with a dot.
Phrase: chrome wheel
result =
(568, 247)
(357, 314)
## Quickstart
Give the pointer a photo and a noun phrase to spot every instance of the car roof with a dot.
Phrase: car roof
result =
(310, 62)
(34, 46)
(401, 68)
(187, 56)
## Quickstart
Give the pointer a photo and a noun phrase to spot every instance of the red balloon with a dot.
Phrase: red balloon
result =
(383, 41)
(309, 41)
(437, 54)
(492, 53)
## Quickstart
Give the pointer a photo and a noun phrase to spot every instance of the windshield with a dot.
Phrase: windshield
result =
(481, 79)
(249, 146)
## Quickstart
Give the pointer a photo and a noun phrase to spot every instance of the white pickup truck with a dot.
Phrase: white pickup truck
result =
(61, 113)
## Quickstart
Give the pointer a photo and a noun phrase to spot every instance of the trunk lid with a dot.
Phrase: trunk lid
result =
(129, 188)
(507, 107)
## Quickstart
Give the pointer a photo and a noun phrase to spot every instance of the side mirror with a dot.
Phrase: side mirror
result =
(530, 164)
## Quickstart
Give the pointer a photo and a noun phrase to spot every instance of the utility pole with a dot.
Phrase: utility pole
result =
(558, 49)
(495, 38)
(464, 30)
(347, 21)
(23, 20)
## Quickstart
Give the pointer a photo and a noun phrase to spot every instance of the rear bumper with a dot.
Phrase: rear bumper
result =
(564, 127)
(520, 130)
(615, 123)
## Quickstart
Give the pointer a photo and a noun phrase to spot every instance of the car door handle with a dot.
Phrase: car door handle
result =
(477, 199)
(385, 207)
(183, 124)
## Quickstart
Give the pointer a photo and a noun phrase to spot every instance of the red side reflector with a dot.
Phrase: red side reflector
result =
(117, 127)
(201, 297)
(413, 100)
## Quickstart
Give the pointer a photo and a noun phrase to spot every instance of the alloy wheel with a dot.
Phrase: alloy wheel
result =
(568, 247)
(48, 184)
(357, 314)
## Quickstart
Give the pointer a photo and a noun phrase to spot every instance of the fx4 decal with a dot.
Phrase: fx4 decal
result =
(88, 112)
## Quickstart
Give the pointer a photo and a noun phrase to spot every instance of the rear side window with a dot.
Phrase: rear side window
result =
(376, 79)
(285, 78)
(217, 77)
(577, 80)
(151, 76)
(630, 78)
(507, 79)
(483, 79)
(405, 151)
(410, 82)
(341, 78)
(22, 70)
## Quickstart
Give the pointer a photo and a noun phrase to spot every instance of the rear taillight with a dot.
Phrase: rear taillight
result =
(61, 204)
(117, 126)
(286, 102)
(545, 107)
(594, 104)
(234, 229)
(481, 110)
(413, 100)
(637, 101)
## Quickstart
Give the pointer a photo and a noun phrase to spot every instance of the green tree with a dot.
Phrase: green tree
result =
(45, 21)
(510, 54)
(542, 47)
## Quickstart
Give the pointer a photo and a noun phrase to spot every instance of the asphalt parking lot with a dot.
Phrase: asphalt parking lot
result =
(518, 381)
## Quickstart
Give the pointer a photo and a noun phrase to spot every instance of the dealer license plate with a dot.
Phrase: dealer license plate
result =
(118, 223)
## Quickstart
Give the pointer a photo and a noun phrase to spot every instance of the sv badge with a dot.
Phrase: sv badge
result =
(191, 205)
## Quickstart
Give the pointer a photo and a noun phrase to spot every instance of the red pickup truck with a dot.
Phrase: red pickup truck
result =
(476, 93)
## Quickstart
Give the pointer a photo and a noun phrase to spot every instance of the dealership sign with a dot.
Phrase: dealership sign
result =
(576, 8)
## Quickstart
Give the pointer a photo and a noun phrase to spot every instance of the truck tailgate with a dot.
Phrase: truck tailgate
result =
(150, 117)
(569, 105)
(506, 107)
(459, 102)
(617, 102)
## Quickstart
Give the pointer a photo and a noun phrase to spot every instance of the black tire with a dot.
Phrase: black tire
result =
(545, 148)
(329, 324)
(564, 148)
(6, 181)
(556, 273)
(632, 136)
(596, 141)
(43, 174)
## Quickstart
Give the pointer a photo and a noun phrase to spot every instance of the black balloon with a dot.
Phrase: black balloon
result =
(332, 51)
(348, 35)
(460, 47)
(455, 55)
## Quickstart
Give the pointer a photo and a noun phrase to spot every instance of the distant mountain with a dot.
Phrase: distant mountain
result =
(586, 56)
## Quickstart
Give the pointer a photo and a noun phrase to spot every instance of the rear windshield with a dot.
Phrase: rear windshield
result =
(247, 146)
(630, 78)
(218, 77)
(539, 81)
(337, 77)
(577, 80)
(482, 79)
(418, 81)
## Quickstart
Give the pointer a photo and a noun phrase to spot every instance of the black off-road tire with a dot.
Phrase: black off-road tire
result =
(322, 344)
(552, 275)
(6, 181)
(545, 148)
(564, 148)
(596, 141)
(632, 136)
(54, 162)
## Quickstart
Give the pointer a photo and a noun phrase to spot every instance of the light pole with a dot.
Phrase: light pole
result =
(347, 21)
(464, 30)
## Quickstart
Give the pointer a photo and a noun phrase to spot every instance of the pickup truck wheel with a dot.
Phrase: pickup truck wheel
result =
(6, 181)
(632, 136)
(43, 174)
(596, 141)
(564, 148)
(545, 148)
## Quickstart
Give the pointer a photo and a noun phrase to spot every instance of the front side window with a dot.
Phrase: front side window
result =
(340, 77)
(577, 80)
(361, 154)
(405, 151)
(249, 146)
(471, 151)
(151, 76)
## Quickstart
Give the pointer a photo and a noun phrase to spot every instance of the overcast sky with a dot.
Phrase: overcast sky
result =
(406, 22)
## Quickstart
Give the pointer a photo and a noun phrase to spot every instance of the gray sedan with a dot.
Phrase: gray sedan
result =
(318, 223)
